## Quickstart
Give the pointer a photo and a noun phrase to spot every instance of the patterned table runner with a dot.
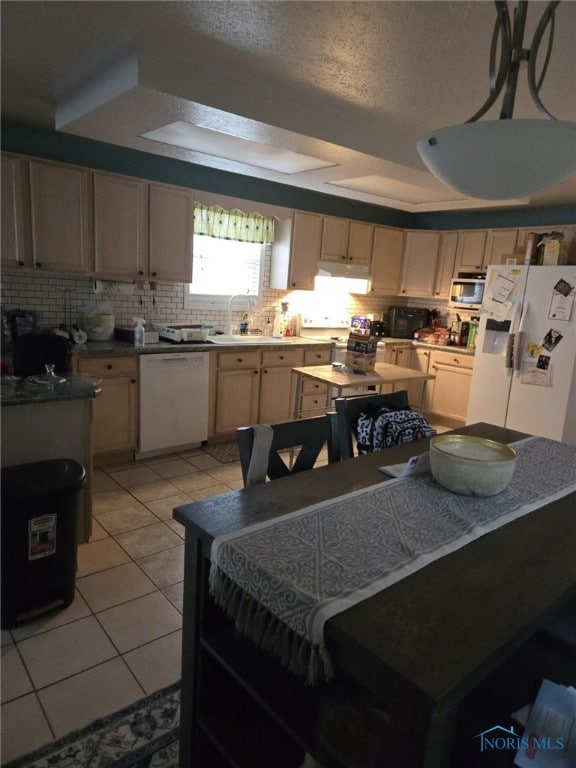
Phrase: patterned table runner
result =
(282, 579)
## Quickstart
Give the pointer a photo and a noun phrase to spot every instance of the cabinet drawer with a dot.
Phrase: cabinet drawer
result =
(313, 402)
(239, 359)
(292, 357)
(109, 367)
(310, 387)
(317, 356)
(452, 358)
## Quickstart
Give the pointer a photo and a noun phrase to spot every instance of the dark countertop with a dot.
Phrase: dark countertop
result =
(17, 391)
(121, 348)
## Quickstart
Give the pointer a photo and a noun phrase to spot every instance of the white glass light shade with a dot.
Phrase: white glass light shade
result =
(501, 159)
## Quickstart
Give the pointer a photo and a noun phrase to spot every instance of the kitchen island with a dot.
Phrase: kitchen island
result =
(50, 423)
(409, 661)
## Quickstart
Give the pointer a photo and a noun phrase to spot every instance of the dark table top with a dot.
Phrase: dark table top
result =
(441, 629)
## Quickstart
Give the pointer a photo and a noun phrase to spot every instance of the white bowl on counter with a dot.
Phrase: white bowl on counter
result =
(471, 466)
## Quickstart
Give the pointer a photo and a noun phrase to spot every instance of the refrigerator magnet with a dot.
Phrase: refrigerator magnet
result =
(561, 305)
(541, 377)
(551, 340)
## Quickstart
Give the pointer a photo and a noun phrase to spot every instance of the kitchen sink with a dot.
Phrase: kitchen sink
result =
(222, 339)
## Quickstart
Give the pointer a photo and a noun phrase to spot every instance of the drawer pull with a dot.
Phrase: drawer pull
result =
(239, 359)
(109, 366)
(281, 357)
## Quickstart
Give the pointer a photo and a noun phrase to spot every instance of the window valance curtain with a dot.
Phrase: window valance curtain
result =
(233, 225)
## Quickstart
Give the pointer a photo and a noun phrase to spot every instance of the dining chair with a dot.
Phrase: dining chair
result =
(302, 440)
(32, 351)
(348, 409)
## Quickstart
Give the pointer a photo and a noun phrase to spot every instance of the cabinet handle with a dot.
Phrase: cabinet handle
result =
(281, 357)
(455, 360)
(140, 272)
(255, 373)
(133, 381)
(20, 263)
(265, 370)
(343, 258)
(109, 366)
(154, 274)
(38, 265)
(239, 360)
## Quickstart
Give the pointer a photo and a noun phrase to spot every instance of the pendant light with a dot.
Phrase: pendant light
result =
(506, 158)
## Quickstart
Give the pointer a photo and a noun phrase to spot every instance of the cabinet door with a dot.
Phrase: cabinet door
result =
(445, 266)
(305, 248)
(15, 230)
(360, 242)
(419, 263)
(335, 239)
(237, 393)
(277, 391)
(386, 269)
(114, 414)
(120, 226)
(171, 233)
(62, 224)
(470, 251)
(500, 245)
(450, 388)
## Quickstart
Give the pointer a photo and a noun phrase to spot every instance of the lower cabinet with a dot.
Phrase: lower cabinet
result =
(258, 386)
(449, 390)
(115, 410)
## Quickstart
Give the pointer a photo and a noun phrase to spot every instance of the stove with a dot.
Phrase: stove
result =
(325, 327)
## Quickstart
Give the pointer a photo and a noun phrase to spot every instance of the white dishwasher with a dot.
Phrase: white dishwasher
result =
(173, 401)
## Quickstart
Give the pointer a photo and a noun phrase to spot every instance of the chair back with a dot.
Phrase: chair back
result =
(348, 409)
(32, 351)
(302, 441)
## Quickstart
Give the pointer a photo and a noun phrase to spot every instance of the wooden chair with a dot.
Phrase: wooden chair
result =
(260, 447)
(348, 409)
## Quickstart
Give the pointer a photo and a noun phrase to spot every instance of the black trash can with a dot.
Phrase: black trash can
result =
(41, 503)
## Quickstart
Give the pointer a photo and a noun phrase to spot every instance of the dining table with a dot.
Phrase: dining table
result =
(340, 378)
(419, 668)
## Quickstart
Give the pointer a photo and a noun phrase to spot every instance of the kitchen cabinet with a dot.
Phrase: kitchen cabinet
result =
(347, 241)
(407, 356)
(296, 252)
(120, 226)
(470, 251)
(449, 391)
(419, 263)
(569, 233)
(171, 233)
(277, 384)
(445, 264)
(386, 267)
(501, 245)
(257, 386)
(61, 216)
(115, 411)
(15, 230)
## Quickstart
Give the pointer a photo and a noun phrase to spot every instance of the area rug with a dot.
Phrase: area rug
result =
(142, 735)
(224, 452)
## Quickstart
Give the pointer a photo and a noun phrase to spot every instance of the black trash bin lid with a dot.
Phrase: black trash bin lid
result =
(24, 482)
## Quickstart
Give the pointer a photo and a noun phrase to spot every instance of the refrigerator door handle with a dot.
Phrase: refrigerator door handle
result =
(517, 347)
(509, 361)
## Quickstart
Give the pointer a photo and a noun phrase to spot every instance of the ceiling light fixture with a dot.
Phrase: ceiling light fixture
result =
(498, 159)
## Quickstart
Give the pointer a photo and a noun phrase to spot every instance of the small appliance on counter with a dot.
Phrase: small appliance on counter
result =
(403, 321)
(127, 334)
(378, 328)
(182, 332)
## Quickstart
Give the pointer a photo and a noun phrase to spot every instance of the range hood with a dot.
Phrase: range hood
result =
(342, 269)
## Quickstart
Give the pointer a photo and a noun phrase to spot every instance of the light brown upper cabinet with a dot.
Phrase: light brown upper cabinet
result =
(470, 251)
(120, 227)
(500, 245)
(296, 251)
(347, 241)
(15, 229)
(61, 216)
(445, 265)
(419, 263)
(386, 269)
(171, 233)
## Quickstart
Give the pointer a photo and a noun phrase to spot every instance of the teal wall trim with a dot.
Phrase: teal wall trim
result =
(53, 145)
(67, 148)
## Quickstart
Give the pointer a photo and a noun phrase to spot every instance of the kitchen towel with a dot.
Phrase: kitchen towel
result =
(281, 580)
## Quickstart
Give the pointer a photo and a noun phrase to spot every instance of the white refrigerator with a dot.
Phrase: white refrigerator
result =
(524, 374)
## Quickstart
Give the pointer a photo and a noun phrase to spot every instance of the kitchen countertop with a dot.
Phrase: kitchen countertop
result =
(444, 347)
(121, 348)
(16, 391)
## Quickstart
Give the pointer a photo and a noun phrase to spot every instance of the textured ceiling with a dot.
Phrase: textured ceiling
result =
(354, 84)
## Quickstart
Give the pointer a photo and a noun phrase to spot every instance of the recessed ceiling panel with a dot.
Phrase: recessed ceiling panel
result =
(218, 144)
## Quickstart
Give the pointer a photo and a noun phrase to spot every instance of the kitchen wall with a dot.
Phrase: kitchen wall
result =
(48, 294)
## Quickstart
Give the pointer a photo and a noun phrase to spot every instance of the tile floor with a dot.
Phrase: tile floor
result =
(120, 639)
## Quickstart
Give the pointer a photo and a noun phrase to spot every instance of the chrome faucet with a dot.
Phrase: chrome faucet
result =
(250, 301)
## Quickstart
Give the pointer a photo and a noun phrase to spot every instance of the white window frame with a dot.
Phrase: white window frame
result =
(221, 301)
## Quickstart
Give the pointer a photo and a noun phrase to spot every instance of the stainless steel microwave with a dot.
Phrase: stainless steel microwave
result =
(467, 293)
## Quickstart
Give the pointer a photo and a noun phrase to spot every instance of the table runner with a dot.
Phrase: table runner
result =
(282, 579)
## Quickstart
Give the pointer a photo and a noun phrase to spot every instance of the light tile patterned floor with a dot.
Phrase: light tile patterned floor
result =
(121, 638)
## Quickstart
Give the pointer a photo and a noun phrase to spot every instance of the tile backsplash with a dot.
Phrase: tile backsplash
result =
(48, 294)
